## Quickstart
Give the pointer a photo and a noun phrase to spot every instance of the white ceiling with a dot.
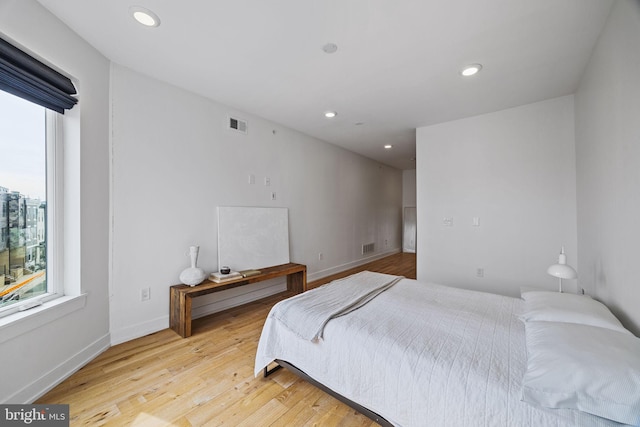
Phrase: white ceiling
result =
(396, 68)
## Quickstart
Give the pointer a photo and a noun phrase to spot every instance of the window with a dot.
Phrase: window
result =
(33, 98)
(24, 163)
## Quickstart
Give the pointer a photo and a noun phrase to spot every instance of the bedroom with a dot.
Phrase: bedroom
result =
(599, 228)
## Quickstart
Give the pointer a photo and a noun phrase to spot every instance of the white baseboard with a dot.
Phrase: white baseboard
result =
(251, 293)
(34, 390)
(339, 268)
(139, 330)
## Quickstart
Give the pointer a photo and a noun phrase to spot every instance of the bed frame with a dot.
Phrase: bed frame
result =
(364, 411)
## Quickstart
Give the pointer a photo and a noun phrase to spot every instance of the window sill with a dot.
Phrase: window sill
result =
(22, 322)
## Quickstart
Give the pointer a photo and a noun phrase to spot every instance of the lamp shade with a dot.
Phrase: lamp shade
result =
(562, 271)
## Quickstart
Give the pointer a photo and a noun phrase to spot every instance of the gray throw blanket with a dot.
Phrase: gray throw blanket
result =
(307, 314)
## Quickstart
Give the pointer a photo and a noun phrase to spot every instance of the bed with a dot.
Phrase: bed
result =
(419, 354)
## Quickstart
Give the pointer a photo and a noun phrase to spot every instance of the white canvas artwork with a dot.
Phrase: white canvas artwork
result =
(252, 238)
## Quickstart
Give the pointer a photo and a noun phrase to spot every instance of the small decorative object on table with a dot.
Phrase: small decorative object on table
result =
(249, 273)
(193, 275)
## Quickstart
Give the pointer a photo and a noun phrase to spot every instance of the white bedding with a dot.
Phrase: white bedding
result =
(422, 354)
(308, 313)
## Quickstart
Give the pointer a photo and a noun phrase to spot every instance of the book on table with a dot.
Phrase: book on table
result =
(220, 277)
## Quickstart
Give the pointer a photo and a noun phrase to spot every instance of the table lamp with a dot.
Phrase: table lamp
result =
(561, 270)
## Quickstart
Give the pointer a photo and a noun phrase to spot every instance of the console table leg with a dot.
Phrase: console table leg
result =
(180, 313)
(296, 282)
(187, 317)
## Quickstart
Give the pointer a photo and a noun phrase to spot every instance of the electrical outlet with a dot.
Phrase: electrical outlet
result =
(480, 272)
(267, 181)
(145, 294)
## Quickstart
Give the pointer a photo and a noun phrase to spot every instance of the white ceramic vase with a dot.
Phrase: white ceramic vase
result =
(193, 275)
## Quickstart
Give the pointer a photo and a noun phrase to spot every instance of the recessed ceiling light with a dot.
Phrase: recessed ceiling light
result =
(330, 48)
(388, 146)
(144, 16)
(330, 114)
(470, 70)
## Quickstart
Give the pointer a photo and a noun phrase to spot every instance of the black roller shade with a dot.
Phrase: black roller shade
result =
(30, 79)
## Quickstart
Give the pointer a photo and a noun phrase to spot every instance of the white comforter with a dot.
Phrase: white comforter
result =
(422, 354)
(308, 313)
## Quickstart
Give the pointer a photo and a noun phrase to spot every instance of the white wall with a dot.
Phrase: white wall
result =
(174, 163)
(608, 166)
(36, 360)
(515, 171)
(409, 187)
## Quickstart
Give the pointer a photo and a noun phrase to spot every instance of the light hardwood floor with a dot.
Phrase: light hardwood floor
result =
(206, 379)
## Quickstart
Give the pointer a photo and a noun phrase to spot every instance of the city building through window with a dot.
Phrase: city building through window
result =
(23, 201)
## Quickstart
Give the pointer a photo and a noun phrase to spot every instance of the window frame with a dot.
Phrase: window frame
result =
(54, 156)
(54, 214)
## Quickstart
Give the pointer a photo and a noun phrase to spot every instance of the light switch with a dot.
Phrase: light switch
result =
(476, 221)
(447, 222)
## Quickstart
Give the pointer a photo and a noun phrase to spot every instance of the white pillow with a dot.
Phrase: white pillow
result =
(591, 369)
(525, 289)
(568, 308)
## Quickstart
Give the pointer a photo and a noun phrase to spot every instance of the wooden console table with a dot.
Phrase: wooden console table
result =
(180, 295)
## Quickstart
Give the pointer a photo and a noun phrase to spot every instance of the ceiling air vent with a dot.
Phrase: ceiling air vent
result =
(237, 125)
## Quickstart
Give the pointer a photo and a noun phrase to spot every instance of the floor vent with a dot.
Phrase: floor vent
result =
(368, 248)
(237, 125)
